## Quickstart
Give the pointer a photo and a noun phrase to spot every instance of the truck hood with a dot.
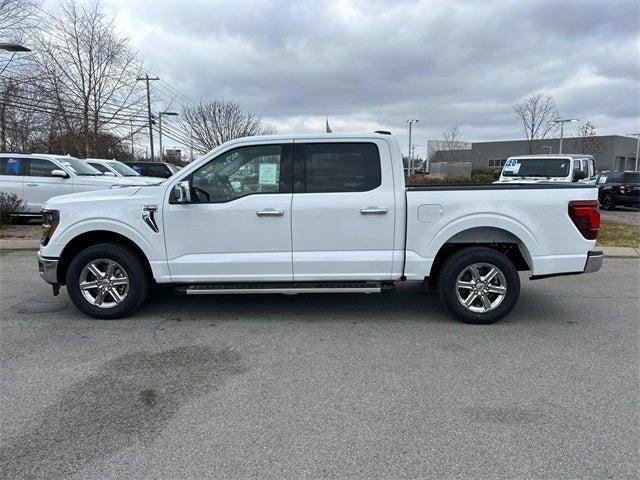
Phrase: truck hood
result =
(145, 180)
(103, 182)
(109, 194)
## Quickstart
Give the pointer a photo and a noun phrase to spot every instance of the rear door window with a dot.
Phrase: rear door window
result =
(12, 166)
(632, 177)
(340, 167)
(39, 167)
(156, 170)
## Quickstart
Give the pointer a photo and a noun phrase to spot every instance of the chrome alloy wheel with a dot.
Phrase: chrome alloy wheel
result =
(481, 287)
(104, 283)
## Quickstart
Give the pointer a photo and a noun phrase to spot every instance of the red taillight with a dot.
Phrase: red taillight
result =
(586, 217)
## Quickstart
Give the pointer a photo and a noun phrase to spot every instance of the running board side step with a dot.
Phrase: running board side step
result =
(287, 288)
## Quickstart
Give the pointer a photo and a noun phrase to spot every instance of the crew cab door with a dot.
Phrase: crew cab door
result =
(237, 227)
(343, 210)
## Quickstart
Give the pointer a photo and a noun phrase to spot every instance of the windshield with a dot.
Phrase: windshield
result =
(99, 167)
(123, 169)
(172, 167)
(78, 166)
(536, 167)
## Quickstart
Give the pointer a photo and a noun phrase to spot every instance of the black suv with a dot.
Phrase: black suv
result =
(154, 169)
(619, 188)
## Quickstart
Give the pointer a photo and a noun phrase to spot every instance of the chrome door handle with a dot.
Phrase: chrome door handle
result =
(373, 211)
(32, 184)
(270, 212)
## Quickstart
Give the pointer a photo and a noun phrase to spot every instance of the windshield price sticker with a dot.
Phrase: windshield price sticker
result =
(512, 166)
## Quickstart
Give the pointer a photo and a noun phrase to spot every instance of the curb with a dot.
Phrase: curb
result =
(30, 244)
(621, 252)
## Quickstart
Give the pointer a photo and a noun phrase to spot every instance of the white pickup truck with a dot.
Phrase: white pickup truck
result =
(315, 213)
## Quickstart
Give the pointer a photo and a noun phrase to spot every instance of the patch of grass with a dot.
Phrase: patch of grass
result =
(616, 234)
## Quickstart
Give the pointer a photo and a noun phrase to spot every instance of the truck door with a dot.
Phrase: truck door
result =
(343, 210)
(237, 227)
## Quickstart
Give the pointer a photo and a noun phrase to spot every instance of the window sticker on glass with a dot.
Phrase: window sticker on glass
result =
(512, 166)
(268, 174)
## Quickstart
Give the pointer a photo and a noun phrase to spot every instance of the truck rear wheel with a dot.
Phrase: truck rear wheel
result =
(479, 285)
(107, 281)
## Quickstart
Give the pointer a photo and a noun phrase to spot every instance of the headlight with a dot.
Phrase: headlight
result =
(50, 220)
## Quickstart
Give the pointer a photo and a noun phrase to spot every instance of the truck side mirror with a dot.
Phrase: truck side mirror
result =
(182, 192)
(59, 173)
(579, 175)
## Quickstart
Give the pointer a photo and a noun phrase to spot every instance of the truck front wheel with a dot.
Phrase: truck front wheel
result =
(479, 285)
(107, 281)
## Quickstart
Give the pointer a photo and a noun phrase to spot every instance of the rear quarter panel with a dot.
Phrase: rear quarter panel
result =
(538, 217)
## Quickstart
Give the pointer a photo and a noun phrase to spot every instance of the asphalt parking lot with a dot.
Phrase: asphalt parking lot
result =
(324, 386)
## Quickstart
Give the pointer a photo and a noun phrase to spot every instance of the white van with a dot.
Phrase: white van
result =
(549, 168)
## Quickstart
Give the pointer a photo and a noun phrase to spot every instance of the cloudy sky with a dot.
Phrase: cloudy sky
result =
(371, 65)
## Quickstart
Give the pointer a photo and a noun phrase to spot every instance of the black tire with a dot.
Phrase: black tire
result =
(135, 270)
(462, 261)
(608, 202)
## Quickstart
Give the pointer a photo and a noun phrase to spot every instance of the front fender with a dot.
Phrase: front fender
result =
(152, 250)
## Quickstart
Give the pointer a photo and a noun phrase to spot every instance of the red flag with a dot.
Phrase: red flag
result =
(327, 128)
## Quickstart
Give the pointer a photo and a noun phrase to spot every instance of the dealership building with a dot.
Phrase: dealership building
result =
(611, 152)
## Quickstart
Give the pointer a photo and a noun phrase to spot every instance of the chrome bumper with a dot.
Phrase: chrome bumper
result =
(594, 261)
(48, 269)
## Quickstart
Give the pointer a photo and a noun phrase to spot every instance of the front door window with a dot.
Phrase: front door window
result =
(238, 173)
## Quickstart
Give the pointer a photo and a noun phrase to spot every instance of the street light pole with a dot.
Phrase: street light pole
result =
(409, 166)
(637, 147)
(160, 130)
(562, 121)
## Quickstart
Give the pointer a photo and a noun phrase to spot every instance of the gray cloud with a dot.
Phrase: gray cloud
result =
(371, 65)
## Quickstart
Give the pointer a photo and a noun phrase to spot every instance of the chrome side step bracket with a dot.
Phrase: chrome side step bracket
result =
(286, 288)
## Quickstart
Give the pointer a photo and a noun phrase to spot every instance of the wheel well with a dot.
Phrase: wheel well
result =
(488, 237)
(95, 237)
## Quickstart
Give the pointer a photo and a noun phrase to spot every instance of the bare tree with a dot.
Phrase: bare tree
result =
(453, 143)
(590, 143)
(535, 113)
(213, 122)
(90, 73)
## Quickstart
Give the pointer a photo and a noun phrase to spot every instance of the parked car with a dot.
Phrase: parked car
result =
(619, 188)
(312, 214)
(115, 168)
(36, 178)
(154, 169)
(549, 168)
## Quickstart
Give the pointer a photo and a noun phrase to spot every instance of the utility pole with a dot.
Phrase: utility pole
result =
(409, 166)
(562, 122)
(148, 79)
